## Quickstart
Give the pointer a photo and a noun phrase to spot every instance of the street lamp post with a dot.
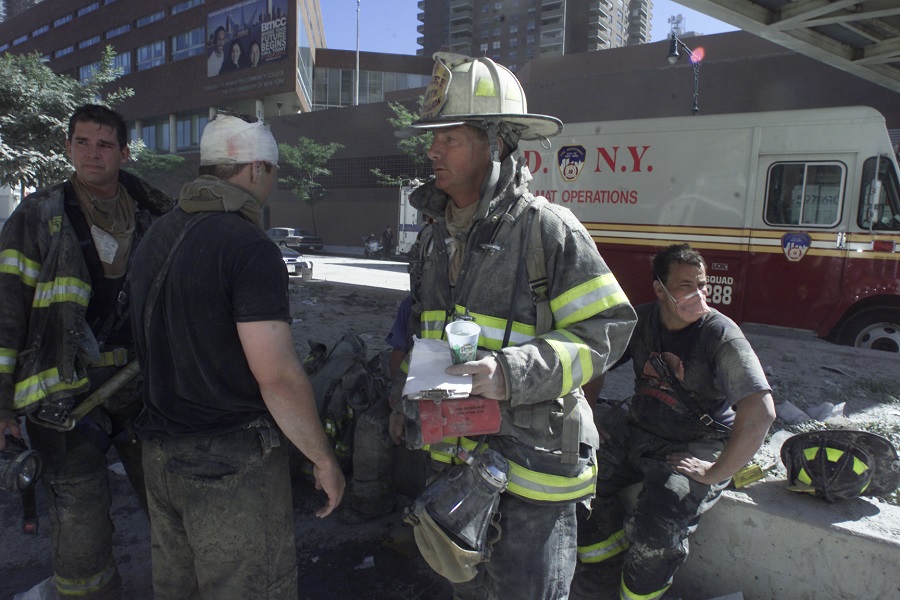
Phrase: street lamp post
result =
(674, 45)
(356, 76)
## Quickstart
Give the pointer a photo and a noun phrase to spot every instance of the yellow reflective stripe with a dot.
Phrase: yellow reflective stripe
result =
(116, 357)
(85, 585)
(494, 328)
(534, 485)
(8, 361)
(485, 87)
(16, 263)
(574, 357)
(804, 477)
(810, 453)
(37, 387)
(626, 594)
(586, 300)
(859, 467)
(432, 323)
(612, 546)
(62, 289)
(525, 483)
(833, 454)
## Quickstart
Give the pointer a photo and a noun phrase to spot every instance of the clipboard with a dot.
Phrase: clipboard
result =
(427, 378)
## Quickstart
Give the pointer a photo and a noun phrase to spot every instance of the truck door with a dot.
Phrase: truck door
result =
(798, 243)
(409, 224)
(869, 315)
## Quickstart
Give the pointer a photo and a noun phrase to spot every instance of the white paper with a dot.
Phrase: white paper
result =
(427, 371)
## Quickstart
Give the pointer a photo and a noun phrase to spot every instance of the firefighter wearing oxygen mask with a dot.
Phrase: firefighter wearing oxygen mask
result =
(552, 317)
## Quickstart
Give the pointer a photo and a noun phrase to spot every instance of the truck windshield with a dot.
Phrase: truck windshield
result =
(884, 213)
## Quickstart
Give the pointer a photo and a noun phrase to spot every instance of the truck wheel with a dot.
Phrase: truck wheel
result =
(874, 328)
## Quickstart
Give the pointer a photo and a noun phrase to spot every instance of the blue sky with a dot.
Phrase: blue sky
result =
(390, 25)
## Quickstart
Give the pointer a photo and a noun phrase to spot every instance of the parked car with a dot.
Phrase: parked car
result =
(298, 239)
(296, 265)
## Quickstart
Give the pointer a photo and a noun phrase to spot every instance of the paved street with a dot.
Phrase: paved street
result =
(360, 271)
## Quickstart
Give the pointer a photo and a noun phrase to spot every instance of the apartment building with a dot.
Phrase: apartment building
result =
(513, 32)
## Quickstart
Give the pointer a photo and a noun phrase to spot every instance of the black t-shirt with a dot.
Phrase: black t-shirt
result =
(712, 359)
(196, 377)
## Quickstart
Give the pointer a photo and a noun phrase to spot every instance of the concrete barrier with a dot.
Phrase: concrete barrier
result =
(773, 544)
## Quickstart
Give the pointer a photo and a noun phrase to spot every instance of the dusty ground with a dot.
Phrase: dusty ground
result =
(378, 560)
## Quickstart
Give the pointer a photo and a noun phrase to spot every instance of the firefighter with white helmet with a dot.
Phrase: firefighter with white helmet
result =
(552, 318)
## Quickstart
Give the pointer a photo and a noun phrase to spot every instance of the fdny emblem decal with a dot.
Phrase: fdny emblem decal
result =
(570, 160)
(795, 245)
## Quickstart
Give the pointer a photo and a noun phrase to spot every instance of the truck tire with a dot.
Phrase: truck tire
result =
(874, 328)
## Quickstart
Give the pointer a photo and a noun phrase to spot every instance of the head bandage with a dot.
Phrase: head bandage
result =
(230, 140)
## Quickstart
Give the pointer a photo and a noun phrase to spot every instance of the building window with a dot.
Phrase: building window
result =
(188, 129)
(64, 51)
(20, 39)
(183, 6)
(40, 30)
(122, 63)
(157, 16)
(89, 42)
(188, 44)
(62, 20)
(118, 30)
(513, 29)
(151, 55)
(86, 72)
(155, 134)
(87, 9)
(495, 45)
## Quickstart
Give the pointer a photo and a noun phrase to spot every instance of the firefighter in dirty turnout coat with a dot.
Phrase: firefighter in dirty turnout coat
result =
(545, 331)
(64, 255)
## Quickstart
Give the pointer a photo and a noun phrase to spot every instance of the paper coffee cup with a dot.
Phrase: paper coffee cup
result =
(463, 339)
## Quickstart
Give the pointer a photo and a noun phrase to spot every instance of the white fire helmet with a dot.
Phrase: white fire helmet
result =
(477, 91)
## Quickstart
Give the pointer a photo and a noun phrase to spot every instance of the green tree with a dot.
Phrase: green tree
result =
(165, 171)
(35, 106)
(414, 147)
(307, 159)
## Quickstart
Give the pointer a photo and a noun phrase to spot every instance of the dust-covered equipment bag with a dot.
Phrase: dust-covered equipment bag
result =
(345, 383)
(455, 520)
(841, 464)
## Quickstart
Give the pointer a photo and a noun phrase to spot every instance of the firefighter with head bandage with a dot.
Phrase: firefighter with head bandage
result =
(547, 327)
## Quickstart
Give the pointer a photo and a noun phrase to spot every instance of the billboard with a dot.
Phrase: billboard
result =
(246, 35)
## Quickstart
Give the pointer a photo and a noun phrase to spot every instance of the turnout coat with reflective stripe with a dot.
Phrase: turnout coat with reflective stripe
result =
(592, 319)
(44, 294)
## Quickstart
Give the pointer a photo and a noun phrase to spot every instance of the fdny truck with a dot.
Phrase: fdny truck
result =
(797, 213)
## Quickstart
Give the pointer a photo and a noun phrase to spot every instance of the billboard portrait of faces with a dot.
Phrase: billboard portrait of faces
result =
(246, 35)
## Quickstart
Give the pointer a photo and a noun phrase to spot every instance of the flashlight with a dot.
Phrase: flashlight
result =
(20, 466)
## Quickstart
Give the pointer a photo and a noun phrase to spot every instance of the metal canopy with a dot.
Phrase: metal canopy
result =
(861, 37)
